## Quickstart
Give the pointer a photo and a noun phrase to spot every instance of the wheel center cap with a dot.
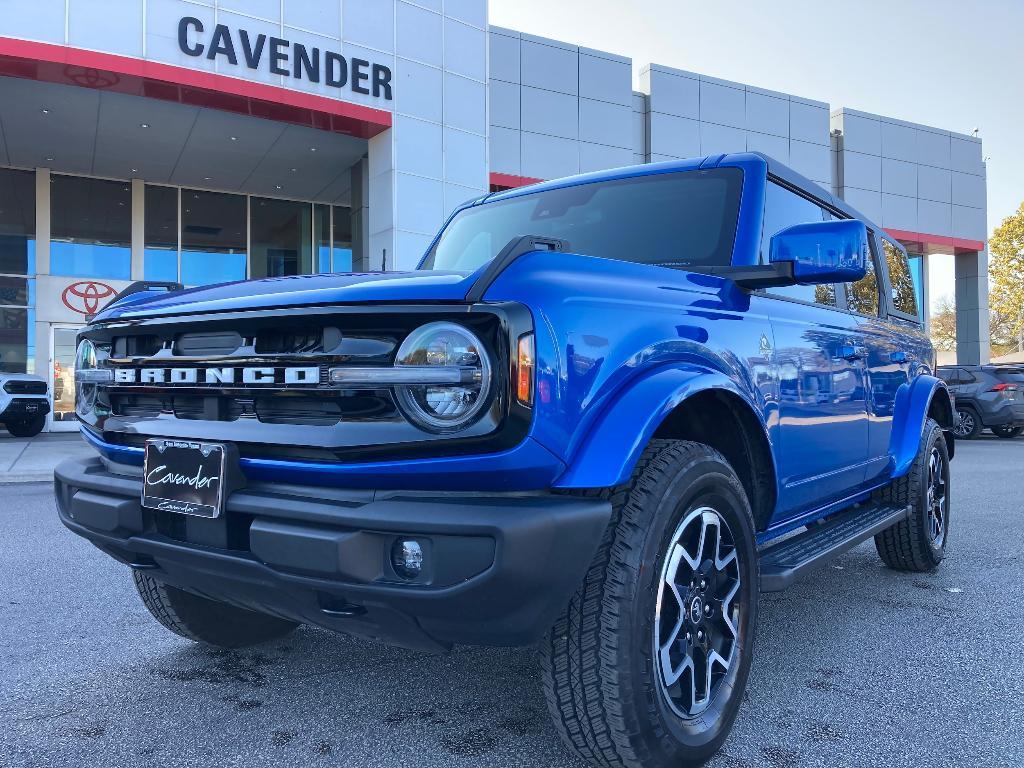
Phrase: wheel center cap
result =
(696, 610)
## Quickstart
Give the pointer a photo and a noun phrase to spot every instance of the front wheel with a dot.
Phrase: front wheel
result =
(26, 427)
(648, 663)
(1007, 432)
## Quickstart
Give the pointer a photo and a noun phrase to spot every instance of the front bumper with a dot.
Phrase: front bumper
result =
(498, 568)
(20, 408)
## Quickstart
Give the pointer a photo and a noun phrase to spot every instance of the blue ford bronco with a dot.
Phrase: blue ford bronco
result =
(603, 415)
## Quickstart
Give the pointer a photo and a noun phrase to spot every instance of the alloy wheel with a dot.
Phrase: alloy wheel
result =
(937, 500)
(697, 616)
(966, 425)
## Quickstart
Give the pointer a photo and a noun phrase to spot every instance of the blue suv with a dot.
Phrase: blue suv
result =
(603, 415)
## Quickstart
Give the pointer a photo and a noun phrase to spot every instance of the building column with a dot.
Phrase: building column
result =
(138, 229)
(972, 321)
(40, 366)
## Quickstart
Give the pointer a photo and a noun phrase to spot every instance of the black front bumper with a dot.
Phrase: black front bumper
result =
(497, 570)
(22, 408)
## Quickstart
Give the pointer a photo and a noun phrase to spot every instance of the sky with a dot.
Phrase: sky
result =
(952, 65)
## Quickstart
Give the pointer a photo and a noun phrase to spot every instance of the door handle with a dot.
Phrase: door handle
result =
(850, 352)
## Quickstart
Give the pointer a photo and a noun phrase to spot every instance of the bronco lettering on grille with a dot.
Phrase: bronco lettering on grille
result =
(229, 375)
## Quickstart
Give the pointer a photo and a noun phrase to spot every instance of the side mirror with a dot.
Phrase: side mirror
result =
(823, 251)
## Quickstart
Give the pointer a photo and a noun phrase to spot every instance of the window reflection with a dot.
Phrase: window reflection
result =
(213, 241)
(281, 238)
(17, 222)
(342, 252)
(90, 227)
(161, 248)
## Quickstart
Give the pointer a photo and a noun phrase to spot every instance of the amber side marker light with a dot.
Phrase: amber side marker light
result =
(524, 370)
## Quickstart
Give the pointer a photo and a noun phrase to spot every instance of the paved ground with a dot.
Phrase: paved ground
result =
(857, 667)
(32, 459)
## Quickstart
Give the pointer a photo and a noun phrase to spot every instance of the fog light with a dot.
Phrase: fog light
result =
(407, 558)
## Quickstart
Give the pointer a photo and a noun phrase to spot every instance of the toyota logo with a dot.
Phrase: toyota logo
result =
(85, 297)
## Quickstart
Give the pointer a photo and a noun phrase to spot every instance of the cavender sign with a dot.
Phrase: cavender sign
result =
(282, 57)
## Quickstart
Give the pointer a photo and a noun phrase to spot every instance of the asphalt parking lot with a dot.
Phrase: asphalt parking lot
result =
(857, 666)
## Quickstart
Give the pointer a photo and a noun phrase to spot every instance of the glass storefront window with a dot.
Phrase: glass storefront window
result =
(161, 247)
(17, 222)
(213, 240)
(342, 251)
(322, 237)
(916, 262)
(281, 238)
(14, 352)
(90, 228)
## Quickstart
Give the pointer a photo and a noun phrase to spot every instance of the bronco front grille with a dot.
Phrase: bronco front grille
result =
(260, 380)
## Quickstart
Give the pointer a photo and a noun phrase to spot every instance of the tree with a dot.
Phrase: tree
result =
(943, 325)
(1006, 274)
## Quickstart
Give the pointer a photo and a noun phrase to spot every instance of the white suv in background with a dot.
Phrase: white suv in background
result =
(23, 404)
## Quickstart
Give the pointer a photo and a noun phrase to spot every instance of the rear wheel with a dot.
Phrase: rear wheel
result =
(919, 542)
(26, 427)
(1007, 432)
(648, 663)
(970, 425)
(207, 621)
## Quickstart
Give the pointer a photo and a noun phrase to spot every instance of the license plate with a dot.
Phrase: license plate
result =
(184, 477)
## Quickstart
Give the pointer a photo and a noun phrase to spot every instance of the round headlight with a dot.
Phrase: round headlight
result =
(447, 406)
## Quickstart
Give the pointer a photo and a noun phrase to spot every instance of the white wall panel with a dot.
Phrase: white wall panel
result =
(504, 55)
(898, 177)
(673, 136)
(899, 142)
(715, 139)
(505, 104)
(767, 114)
(603, 123)
(606, 79)
(776, 147)
(933, 149)
(550, 113)
(862, 171)
(808, 122)
(899, 212)
(934, 184)
(722, 105)
(549, 157)
(597, 157)
(465, 50)
(550, 67)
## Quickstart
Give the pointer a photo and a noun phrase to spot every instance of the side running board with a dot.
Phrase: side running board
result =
(783, 563)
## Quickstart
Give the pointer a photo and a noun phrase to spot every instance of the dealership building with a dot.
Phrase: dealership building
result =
(201, 141)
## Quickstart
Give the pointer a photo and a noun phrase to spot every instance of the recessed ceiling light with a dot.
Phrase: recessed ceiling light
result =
(48, 159)
(143, 125)
(207, 178)
(277, 186)
(312, 149)
(45, 111)
(234, 138)
(135, 170)
(294, 170)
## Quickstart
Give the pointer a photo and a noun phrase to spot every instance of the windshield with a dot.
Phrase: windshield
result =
(685, 219)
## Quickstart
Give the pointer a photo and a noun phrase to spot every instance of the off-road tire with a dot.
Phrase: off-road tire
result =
(26, 427)
(968, 415)
(1007, 433)
(908, 545)
(207, 621)
(598, 661)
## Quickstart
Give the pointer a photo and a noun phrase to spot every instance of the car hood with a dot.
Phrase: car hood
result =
(298, 291)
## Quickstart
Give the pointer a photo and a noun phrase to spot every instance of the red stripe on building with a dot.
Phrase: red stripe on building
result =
(955, 243)
(508, 181)
(138, 77)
